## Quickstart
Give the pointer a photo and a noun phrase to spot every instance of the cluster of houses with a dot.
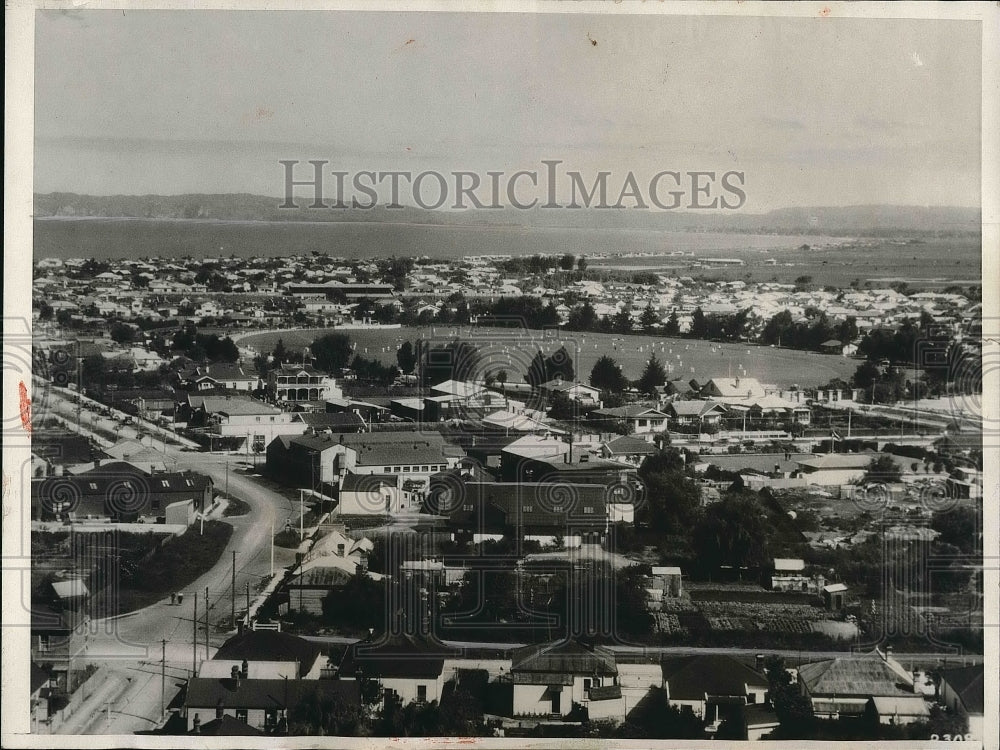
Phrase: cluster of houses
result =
(259, 676)
(257, 291)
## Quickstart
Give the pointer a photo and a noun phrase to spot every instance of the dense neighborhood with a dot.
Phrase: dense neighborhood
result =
(474, 538)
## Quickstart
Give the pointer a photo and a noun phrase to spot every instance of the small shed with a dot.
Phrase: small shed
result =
(835, 596)
(668, 579)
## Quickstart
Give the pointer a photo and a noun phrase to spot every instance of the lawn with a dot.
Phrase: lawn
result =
(513, 349)
(170, 567)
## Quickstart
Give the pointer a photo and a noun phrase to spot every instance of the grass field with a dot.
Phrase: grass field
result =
(932, 263)
(513, 349)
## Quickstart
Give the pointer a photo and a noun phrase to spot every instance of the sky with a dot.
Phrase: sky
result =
(813, 111)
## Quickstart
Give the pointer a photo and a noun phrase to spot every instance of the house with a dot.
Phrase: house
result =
(843, 686)
(574, 513)
(713, 686)
(226, 726)
(225, 375)
(550, 678)
(327, 458)
(323, 421)
(295, 383)
(39, 695)
(510, 421)
(265, 654)
(409, 667)
(631, 450)
(689, 413)
(789, 574)
(262, 704)
(729, 389)
(330, 564)
(242, 419)
(638, 419)
(831, 469)
(546, 458)
(961, 690)
(58, 639)
(375, 494)
(581, 394)
(118, 490)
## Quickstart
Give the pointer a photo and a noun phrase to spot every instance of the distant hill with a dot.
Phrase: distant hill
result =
(829, 221)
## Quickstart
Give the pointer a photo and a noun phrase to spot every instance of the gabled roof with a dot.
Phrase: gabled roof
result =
(901, 705)
(270, 645)
(968, 683)
(694, 677)
(231, 405)
(694, 408)
(560, 661)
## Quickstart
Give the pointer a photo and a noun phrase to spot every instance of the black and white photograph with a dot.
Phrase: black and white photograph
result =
(523, 375)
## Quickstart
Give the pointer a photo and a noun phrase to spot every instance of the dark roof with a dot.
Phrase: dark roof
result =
(694, 677)
(46, 619)
(396, 655)
(528, 504)
(211, 692)
(968, 683)
(366, 482)
(331, 419)
(227, 726)
(628, 445)
(63, 448)
(38, 677)
(558, 662)
(270, 645)
(386, 448)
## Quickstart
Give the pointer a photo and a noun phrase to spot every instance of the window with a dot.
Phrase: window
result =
(588, 509)
(272, 419)
(164, 483)
(257, 418)
(422, 693)
(424, 468)
(527, 508)
(386, 469)
(270, 717)
(467, 507)
(241, 715)
(586, 683)
(395, 469)
(156, 504)
(406, 468)
(93, 485)
(189, 483)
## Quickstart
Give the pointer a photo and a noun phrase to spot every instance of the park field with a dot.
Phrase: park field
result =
(513, 349)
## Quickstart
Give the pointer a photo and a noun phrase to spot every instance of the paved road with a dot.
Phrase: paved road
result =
(132, 643)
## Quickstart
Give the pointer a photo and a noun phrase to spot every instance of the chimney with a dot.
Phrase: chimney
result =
(246, 670)
(196, 724)
(235, 675)
(759, 663)
(888, 652)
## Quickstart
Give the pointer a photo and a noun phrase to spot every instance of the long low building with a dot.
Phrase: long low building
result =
(122, 492)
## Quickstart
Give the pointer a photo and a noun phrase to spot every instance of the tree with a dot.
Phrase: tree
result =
(670, 498)
(331, 715)
(622, 321)
(673, 326)
(649, 319)
(582, 318)
(567, 262)
(882, 470)
(332, 352)
(560, 365)
(607, 375)
(122, 333)
(699, 326)
(959, 526)
(280, 353)
(732, 532)
(457, 360)
(581, 264)
(653, 376)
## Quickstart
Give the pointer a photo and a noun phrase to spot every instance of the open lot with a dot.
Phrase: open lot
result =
(513, 349)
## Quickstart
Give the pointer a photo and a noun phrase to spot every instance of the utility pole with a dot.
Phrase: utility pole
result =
(302, 518)
(272, 546)
(163, 675)
(233, 590)
(194, 639)
(227, 479)
(248, 602)
(206, 624)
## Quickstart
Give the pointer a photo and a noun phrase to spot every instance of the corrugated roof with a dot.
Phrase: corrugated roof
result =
(858, 676)
(569, 657)
(270, 645)
(210, 693)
